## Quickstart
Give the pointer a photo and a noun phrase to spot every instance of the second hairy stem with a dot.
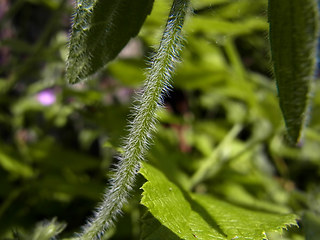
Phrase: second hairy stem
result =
(142, 127)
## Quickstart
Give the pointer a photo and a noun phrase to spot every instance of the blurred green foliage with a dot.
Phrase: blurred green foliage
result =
(221, 132)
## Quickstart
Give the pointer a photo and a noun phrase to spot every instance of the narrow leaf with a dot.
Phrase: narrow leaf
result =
(100, 30)
(47, 230)
(293, 38)
(203, 216)
(14, 166)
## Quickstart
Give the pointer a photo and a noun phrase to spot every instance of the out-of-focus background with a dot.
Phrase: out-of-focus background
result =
(58, 141)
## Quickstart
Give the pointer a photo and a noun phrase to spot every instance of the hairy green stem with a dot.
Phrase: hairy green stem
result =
(141, 128)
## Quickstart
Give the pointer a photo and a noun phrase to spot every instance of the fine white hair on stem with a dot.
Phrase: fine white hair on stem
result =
(142, 126)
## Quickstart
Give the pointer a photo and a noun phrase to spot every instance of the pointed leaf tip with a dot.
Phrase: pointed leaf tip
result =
(100, 30)
(293, 39)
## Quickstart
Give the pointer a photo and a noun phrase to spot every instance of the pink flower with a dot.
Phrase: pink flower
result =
(46, 97)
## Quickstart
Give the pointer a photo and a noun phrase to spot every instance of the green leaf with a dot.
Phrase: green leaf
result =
(227, 28)
(47, 230)
(192, 216)
(241, 223)
(14, 166)
(100, 30)
(152, 229)
(293, 38)
(166, 202)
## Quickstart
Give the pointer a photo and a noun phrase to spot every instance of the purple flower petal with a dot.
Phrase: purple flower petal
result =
(46, 97)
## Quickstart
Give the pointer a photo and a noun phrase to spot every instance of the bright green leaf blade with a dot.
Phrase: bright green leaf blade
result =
(241, 223)
(214, 219)
(166, 202)
(14, 166)
(293, 38)
(99, 32)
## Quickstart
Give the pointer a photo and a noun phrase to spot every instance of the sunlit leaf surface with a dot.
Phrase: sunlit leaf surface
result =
(193, 216)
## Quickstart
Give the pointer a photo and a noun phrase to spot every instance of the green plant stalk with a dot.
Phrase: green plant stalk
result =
(215, 161)
(157, 84)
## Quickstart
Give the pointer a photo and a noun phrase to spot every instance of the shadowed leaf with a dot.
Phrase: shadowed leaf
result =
(293, 37)
(100, 30)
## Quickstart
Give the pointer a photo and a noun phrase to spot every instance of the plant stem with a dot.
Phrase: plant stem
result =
(157, 84)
